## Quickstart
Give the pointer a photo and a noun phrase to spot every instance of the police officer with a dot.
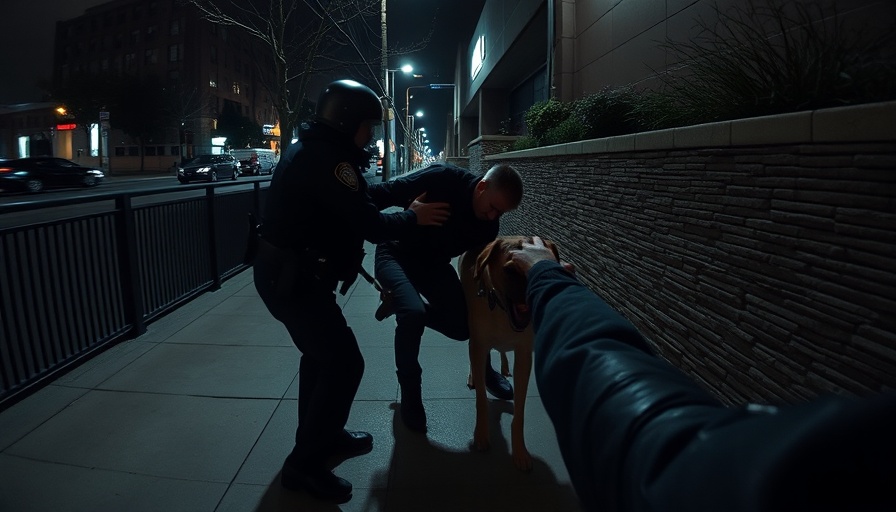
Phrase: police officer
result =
(316, 217)
(421, 265)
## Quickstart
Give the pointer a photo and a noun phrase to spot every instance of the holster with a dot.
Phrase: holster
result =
(350, 278)
(288, 265)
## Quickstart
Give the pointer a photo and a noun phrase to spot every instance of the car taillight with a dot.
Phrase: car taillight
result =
(5, 169)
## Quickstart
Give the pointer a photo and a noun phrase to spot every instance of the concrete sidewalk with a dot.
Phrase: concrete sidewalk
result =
(199, 413)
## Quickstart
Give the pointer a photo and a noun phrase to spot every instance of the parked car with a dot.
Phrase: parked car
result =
(255, 161)
(249, 165)
(208, 168)
(34, 174)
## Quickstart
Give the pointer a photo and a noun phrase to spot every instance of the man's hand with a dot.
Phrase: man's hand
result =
(531, 253)
(430, 214)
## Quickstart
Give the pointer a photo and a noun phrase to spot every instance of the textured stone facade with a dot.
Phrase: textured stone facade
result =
(765, 272)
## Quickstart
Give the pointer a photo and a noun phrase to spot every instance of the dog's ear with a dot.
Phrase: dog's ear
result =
(484, 256)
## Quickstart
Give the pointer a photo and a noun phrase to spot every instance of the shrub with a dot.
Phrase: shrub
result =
(524, 142)
(545, 115)
(775, 57)
(606, 113)
(569, 130)
(654, 111)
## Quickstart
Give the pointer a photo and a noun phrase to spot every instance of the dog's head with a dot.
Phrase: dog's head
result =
(502, 281)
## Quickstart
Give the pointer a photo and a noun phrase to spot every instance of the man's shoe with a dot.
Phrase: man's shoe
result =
(320, 483)
(497, 384)
(352, 444)
(414, 416)
(412, 413)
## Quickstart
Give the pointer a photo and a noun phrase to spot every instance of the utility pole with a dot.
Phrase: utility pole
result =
(387, 102)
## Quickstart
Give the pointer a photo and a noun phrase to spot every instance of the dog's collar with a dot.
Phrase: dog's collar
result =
(491, 295)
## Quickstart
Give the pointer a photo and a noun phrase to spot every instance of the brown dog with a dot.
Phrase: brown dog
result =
(499, 319)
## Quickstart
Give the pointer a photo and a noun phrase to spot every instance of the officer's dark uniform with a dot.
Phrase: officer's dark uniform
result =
(421, 264)
(637, 434)
(315, 219)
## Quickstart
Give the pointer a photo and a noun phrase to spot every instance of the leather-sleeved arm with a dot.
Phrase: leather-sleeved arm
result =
(637, 434)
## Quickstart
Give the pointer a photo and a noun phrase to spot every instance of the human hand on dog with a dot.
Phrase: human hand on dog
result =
(531, 253)
(430, 214)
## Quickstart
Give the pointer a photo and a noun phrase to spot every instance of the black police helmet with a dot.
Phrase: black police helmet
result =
(345, 104)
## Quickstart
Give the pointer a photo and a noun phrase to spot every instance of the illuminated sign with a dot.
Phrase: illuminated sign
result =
(69, 126)
(478, 57)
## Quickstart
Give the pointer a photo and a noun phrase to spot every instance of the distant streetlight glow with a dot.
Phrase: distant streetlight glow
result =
(387, 111)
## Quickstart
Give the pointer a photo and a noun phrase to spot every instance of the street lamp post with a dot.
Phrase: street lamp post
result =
(416, 138)
(409, 133)
(409, 129)
(387, 111)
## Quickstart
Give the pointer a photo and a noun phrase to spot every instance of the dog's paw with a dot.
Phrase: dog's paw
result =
(522, 460)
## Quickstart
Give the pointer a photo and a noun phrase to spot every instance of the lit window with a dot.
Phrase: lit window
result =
(236, 88)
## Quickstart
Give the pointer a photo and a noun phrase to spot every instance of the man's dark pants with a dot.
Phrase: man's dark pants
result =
(408, 278)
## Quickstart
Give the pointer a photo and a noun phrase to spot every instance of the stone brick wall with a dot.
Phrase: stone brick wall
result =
(766, 273)
(486, 145)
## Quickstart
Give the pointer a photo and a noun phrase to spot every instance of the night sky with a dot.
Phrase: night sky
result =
(26, 57)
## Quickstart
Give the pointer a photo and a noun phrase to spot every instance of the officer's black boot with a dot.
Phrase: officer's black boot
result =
(412, 413)
(316, 479)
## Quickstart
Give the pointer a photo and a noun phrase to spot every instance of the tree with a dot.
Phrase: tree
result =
(301, 39)
(140, 109)
(183, 106)
(241, 132)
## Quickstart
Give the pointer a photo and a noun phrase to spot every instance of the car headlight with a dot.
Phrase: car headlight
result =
(203, 170)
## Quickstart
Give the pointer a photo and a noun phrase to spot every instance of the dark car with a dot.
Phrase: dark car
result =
(208, 168)
(33, 174)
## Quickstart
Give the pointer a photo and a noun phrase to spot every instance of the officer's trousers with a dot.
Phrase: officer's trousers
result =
(408, 278)
(331, 365)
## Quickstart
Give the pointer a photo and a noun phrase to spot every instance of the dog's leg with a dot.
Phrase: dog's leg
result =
(522, 367)
(505, 365)
(478, 354)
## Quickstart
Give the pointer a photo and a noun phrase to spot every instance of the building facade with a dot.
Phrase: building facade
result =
(525, 51)
(214, 70)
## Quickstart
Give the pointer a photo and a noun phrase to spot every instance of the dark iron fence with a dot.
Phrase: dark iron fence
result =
(78, 283)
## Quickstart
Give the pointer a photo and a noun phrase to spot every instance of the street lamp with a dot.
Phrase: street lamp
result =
(387, 109)
(410, 120)
(409, 129)
(415, 144)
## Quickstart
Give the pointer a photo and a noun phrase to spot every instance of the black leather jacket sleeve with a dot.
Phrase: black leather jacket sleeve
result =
(637, 434)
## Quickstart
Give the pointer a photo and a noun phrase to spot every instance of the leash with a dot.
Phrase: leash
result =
(370, 279)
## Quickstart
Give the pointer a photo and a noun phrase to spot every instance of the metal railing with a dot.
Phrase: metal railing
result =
(77, 284)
